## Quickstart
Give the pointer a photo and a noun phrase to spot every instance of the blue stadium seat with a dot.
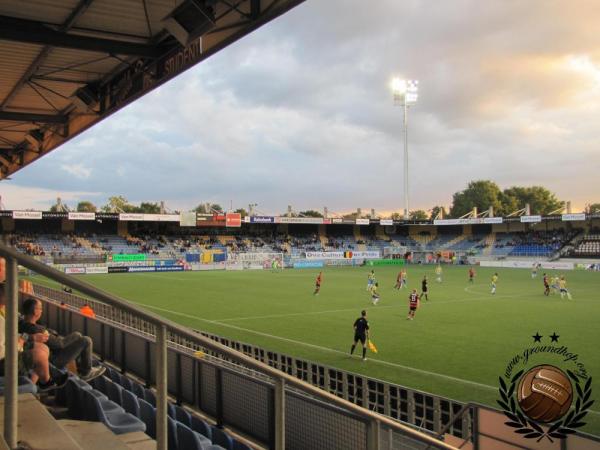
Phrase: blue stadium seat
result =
(118, 422)
(130, 403)
(102, 383)
(26, 386)
(171, 410)
(113, 391)
(126, 383)
(181, 415)
(150, 397)
(200, 426)
(138, 389)
(238, 445)
(148, 416)
(190, 440)
(221, 438)
(172, 432)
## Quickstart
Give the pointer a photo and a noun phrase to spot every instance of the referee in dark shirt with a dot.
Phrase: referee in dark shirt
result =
(361, 333)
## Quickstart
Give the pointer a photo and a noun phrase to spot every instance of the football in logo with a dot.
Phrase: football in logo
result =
(545, 393)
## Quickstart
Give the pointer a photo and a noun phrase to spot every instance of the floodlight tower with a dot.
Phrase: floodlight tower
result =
(406, 93)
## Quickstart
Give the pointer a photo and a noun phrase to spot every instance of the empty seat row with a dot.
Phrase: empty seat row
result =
(84, 402)
(185, 431)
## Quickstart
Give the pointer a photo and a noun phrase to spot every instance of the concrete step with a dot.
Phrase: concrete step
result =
(37, 428)
(92, 435)
(138, 441)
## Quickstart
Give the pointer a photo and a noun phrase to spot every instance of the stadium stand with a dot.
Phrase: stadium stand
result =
(588, 246)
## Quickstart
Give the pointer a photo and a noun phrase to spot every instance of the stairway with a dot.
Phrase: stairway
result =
(358, 237)
(456, 240)
(490, 240)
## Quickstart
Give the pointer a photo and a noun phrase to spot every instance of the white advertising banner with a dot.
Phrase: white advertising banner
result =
(343, 255)
(131, 216)
(471, 221)
(573, 217)
(162, 217)
(558, 265)
(187, 219)
(362, 221)
(531, 219)
(234, 266)
(96, 269)
(252, 257)
(138, 217)
(74, 270)
(35, 215)
(386, 222)
(528, 264)
(324, 255)
(309, 220)
(372, 254)
(82, 216)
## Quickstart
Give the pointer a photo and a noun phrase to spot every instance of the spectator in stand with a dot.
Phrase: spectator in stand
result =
(87, 311)
(33, 355)
(74, 346)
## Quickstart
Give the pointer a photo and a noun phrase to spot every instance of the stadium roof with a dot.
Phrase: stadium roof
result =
(67, 64)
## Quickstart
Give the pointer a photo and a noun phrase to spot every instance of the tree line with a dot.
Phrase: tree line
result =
(480, 194)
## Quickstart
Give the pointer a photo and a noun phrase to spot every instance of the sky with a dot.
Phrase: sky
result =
(300, 113)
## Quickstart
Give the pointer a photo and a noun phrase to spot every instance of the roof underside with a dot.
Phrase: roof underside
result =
(67, 64)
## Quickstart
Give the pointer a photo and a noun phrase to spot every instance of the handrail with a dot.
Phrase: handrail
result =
(113, 300)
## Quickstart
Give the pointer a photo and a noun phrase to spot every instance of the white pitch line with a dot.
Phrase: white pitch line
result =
(380, 361)
(427, 302)
(331, 350)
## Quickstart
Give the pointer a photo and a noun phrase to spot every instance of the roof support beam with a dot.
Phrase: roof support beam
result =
(32, 117)
(32, 32)
(81, 7)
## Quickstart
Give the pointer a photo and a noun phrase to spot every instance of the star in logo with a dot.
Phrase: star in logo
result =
(554, 337)
(537, 337)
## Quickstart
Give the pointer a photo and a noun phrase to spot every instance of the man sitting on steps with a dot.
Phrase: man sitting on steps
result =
(74, 346)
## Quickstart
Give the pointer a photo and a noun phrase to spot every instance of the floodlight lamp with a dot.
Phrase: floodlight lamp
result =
(398, 86)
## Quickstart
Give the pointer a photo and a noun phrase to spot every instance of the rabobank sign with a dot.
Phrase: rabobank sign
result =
(262, 219)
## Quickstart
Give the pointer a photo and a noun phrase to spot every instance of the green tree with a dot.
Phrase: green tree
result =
(310, 213)
(418, 214)
(352, 216)
(435, 211)
(540, 200)
(481, 194)
(85, 206)
(397, 216)
(241, 211)
(149, 208)
(593, 208)
(119, 204)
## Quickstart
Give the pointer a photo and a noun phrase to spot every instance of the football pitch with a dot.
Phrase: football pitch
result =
(458, 345)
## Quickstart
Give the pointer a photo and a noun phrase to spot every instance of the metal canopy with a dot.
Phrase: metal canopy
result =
(67, 64)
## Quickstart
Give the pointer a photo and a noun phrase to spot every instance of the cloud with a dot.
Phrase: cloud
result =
(17, 197)
(77, 170)
(299, 112)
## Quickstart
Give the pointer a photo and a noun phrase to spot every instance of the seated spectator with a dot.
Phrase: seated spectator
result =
(74, 346)
(87, 311)
(32, 358)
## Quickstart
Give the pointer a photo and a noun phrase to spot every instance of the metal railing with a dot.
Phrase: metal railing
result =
(424, 411)
(161, 328)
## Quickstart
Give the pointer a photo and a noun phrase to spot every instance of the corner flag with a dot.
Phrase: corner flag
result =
(372, 346)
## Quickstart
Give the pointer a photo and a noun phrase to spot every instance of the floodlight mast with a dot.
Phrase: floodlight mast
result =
(405, 93)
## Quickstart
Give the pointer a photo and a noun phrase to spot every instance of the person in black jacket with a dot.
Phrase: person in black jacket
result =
(361, 333)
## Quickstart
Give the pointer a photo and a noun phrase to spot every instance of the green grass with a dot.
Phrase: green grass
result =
(458, 345)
